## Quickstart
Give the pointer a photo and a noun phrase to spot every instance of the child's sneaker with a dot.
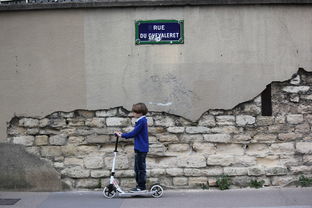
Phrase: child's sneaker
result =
(137, 190)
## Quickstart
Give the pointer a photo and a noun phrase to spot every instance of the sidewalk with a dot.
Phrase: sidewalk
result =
(247, 198)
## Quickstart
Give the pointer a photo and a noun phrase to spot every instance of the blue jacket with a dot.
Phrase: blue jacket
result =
(140, 134)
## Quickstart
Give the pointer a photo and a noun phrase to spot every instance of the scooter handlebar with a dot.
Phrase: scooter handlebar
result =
(116, 144)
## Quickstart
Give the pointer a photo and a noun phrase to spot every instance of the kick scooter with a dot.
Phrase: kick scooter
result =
(114, 189)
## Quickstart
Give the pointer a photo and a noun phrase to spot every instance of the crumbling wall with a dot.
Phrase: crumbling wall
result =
(239, 142)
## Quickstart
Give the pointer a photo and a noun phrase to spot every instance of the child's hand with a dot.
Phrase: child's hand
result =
(117, 133)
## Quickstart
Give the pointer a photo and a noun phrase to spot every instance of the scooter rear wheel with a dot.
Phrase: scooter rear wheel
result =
(109, 192)
(157, 191)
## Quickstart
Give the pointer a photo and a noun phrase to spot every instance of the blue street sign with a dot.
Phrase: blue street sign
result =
(159, 32)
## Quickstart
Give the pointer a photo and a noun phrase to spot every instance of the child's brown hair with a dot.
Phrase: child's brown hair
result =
(140, 108)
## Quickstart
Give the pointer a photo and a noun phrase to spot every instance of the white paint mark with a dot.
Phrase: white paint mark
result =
(161, 104)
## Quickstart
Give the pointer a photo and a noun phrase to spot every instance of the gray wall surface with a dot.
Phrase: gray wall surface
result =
(61, 60)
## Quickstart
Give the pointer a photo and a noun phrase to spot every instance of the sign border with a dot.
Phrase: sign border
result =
(137, 39)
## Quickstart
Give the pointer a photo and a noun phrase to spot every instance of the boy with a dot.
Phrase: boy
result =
(141, 146)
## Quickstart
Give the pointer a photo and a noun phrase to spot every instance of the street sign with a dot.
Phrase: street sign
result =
(159, 32)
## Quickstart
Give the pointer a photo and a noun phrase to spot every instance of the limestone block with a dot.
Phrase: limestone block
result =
(193, 161)
(41, 140)
(280, 119)
(168, 138)
(156, 130)
(33, 150)
(127, 173)
(197, 181)
(225, 120)
(289, 136)
(304, 147)
(76, 121)
(272, 171)
(157, 172)
(44, 122)
(180, 181)
(51, 151)
(296, 89)
(58, 165)
(230, 149)
(122, 162)
(283, 148)
(128, 182)
(100, 173)
(203, 172)
(24, 140)
(164, 121)
(76, 172)
(196, 130)
(220, 160)
(174, 171)
(207, 120)
(212, 182)
(282, 181)
(60, 139)
(294, 118)
(307, 159)
(155, 149)
(75, 140)
(191, 138)
(32, 131)
(57, 123)
(176, 130)
(245, 161)
(241, 138)
(73, 150)
(268, 138)
(93, 162)
(265, 120)
(72, 161)
(29, 122)
(218, 138)
(294, 98)
(207, 148)
(243, 120)
(259, 150)
(178, 147)
(296, 80)
(301, 169)
(269, 161)
(117, 121)
(98, 139)
(252, 108)
(224, 130)
(235, 171)
(306, 97)
(163, 162)
(256, 171)
(96, 122)
(303, 128)
(106, 113)
(88, 183)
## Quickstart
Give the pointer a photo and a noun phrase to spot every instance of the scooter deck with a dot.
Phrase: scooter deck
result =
(130, 194)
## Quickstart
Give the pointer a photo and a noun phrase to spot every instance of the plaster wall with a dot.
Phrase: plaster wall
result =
(61, 60)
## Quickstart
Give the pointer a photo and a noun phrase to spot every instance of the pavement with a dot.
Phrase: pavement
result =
(235, 198)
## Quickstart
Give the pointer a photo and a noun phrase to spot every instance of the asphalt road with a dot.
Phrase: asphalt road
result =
(246, 198)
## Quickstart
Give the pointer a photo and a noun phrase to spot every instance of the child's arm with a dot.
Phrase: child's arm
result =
(134, 132)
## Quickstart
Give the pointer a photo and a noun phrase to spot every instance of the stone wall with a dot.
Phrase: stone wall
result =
(239, 142)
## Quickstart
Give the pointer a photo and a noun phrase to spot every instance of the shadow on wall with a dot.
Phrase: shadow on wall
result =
(76, 147)
(21, 170)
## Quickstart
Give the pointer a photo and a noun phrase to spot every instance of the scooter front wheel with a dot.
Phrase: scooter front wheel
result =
(109, 192)
(157, 191)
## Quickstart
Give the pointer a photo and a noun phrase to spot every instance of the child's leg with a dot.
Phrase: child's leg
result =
(140, 169)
